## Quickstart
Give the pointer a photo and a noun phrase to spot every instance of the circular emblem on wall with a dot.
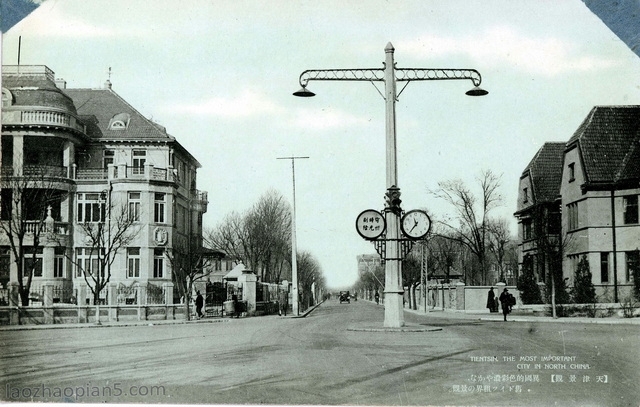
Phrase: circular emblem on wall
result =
(160, 236)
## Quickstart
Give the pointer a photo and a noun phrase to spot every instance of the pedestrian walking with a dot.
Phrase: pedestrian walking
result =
(377, 297)
(506, 299)
(236, 305)
(491, 301)
(199, 304)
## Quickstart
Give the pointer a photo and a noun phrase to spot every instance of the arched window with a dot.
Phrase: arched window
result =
(7, 97)
(119, 121)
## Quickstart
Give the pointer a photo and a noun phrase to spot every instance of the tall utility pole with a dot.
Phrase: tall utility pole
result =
(390, 75)
(294, 251)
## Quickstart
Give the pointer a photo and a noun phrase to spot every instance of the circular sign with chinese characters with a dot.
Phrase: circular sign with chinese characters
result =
(371, 224)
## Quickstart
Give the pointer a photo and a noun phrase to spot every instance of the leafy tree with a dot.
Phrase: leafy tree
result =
(528, 286)
(583, 290)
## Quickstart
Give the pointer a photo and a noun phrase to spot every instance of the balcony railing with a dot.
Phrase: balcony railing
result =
(41, 116)
(38, 171)
(91, 173)
(33, 226)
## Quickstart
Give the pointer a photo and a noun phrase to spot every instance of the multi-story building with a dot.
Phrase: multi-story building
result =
(598, 199)
(94, 162)
(538, 210)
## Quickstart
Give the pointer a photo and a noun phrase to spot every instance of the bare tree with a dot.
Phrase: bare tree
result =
(373, 277)
(190, 264)
(269, 225)
(231, 237)
(261, 238)
(114, 229)
(471, 213)
(499, 238)
(550, 245)
(412, 275)
(309, 273)
(27, 199)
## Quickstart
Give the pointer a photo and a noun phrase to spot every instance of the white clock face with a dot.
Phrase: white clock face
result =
(416, 224)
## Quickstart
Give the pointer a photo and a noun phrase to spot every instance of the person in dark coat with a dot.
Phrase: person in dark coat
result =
(491, 301)
(199, 304)
(236, 305)
(505, 301)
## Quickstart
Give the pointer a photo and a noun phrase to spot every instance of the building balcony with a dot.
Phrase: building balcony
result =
(38, 171)
(41, 117)
(60, 228)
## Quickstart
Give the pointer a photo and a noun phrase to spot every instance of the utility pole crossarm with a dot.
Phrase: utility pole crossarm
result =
(431, 74)
(359, 74)
(401, 75)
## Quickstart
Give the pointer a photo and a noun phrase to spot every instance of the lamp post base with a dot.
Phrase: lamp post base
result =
(393, 309)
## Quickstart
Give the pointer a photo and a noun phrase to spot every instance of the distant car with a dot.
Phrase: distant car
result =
(344, 297)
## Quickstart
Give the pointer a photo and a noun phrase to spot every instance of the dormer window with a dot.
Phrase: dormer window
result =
(525, 195)
(119, 121)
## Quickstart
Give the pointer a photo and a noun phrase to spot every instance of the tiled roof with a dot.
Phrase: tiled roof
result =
(609, 142)
(545, 170)
(97, 107)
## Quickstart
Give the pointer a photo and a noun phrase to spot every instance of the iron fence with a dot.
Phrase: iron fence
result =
(127, 295)
(155, 294)
(65, 295)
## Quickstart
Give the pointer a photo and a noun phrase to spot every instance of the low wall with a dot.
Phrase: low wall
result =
(68, 314)
(461, 297)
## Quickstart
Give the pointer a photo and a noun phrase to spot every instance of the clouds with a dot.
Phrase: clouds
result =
(509, 47)
(246, 103)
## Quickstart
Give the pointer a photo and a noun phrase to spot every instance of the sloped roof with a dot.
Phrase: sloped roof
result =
(608, 141)
(235, 272)
(97, 107)
(545, 170)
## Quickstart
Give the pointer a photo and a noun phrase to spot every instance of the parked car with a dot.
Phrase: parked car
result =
(344, 297)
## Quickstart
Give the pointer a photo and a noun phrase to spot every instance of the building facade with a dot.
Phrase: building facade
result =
(597, 197)
(82, 168)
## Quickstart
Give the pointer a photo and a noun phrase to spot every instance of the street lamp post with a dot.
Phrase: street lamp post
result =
(295, 306)
(390, 75)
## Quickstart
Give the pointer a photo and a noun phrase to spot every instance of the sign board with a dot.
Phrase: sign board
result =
(371, 224)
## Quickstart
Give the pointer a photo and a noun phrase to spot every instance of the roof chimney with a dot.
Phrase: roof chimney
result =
(107, 84)
(61, 83)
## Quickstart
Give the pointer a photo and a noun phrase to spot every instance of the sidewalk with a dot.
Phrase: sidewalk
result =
(107, 324)
(516, 317)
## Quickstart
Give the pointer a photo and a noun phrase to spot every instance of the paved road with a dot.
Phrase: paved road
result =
(336, 355)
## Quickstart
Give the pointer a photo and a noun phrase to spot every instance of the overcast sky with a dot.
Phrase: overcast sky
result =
(219, 76)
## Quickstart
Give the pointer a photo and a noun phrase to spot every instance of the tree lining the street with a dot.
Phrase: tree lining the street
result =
(471, 216)
(29, 201)
(309, 277)
(113, 229)
(190, 263)
(260, 238)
